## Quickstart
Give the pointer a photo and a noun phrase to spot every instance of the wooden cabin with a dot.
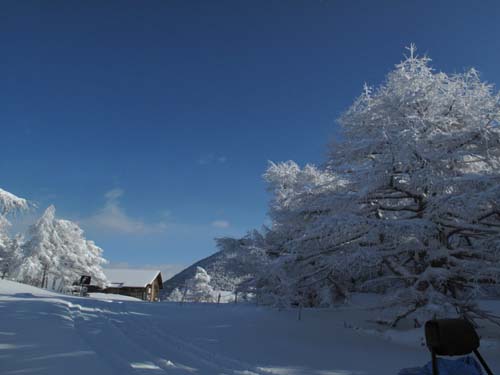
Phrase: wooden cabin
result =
(142, 284)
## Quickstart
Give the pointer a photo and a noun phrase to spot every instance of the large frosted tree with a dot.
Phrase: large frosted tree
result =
(407, 203)
(40, 250)
(424, 151)
(58, 249)
(80, 256)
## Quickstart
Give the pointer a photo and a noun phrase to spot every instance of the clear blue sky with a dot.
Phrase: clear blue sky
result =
(151, 122)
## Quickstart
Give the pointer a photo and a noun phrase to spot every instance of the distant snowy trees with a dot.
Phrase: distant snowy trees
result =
(175, 296)
(407, 203)
(196, 289)
(53, 249)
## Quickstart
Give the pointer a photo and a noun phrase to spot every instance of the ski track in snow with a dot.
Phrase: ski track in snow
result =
(141, 332)
(132, 335)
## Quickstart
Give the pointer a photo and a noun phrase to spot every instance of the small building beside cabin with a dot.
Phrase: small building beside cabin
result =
(141, 284)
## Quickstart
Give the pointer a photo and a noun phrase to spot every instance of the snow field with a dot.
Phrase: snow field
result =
(47, 333)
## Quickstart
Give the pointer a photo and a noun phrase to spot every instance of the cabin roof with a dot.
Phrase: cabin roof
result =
(132, 278)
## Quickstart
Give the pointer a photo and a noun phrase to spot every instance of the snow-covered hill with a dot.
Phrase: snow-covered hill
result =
(224, 267)
(51, 334)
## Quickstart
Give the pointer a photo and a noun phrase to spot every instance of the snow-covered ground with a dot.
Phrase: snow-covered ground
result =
(113, 297)
(47, 333)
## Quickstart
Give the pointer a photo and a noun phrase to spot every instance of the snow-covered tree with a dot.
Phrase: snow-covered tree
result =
(175, 296)
(10, 203)
(80, 256)
(58, 248)
(10, 254)
(423, 155)
(41, 250)
(407, 204)
(198, 288)
(55, 248)
(310, 210)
